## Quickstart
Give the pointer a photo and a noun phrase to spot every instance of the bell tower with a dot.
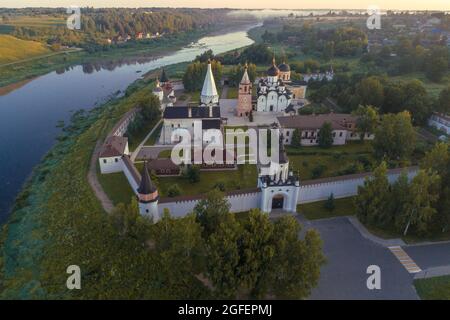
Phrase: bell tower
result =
(244, 107)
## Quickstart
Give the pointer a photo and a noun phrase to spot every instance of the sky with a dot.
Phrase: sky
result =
(251, 4)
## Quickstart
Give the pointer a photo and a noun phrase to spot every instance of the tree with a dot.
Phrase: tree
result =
(222, 258)
(296, 138)
(179, 247)
(416, 101)
(372, 199)
(444, 101)
(418, 210)
(192, 173)
(371, 92)
(210, 211)
(367, 120)
(329, 204)
(325, 135)
(173, 191)
(238, 72)
(195, 73)
(437, 63)
(150, 106)
(296, 263)
(255, 257)
(395, 137)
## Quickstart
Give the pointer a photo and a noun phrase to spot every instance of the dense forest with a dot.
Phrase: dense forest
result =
(98, 25)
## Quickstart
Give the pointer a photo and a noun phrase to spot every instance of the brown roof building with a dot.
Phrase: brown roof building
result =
(114, 146)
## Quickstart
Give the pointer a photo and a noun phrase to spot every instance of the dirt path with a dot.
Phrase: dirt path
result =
(39, 57)
(107, 204)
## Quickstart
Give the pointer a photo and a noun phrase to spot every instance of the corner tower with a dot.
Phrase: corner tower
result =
(148, 196)
(244, 107)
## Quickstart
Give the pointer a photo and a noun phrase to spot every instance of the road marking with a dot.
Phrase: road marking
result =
(405, 259)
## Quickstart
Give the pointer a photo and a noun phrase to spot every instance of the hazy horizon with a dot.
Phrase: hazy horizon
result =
(441, 5)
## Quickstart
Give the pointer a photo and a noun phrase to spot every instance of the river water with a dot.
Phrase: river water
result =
(29, 114)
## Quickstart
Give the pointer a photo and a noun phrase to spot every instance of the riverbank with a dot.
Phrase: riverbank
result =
(57, 221)
(11, 74)
(57, 201)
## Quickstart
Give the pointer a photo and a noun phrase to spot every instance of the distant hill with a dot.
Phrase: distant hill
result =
(14, 49)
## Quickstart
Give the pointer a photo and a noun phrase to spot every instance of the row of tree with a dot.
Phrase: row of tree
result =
(419, 205)
(213, 252)
(194, 75)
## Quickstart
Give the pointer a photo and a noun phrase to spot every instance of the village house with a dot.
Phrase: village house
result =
(111, 153)
(440, 121)
(343, 125)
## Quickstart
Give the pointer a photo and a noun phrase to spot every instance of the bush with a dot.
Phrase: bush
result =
(329, 204)
(173, 191)
(220, 185)
(317, 171)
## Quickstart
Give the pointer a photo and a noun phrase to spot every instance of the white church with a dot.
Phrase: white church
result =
(207, 112)
(272, 93)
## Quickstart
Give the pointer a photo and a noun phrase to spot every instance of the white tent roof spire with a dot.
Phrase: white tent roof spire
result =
(209, 92)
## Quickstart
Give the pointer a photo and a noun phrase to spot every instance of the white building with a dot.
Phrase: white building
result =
(440, 121)
(343, 126)
(184, 117)
(111, 153)
(272, 92)
(279, 190)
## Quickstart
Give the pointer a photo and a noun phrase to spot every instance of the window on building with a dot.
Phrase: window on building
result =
(287, 133)
(340, 134)
(104, 161)
(117, 160)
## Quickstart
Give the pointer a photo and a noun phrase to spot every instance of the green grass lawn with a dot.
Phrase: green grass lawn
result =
(308, 162)
(317, 210)
(116, 187)
(242, 178)
(437, 288)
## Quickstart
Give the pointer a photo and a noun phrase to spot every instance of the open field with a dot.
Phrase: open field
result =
(38, 21)
(13, 49)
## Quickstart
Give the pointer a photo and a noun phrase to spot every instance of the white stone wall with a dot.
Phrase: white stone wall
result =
(110, 165)
(133, 183)
(238, 202)
(311, 192)
(340, 188)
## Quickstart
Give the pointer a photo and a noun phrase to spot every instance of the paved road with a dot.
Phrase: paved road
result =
(430, 255)
(348, 256)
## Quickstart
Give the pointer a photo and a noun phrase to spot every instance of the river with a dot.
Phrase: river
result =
(29, 114)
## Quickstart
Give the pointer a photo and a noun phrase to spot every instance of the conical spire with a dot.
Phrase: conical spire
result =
(245, 77)
(146, 186)
(163, 78)
(209, 92)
